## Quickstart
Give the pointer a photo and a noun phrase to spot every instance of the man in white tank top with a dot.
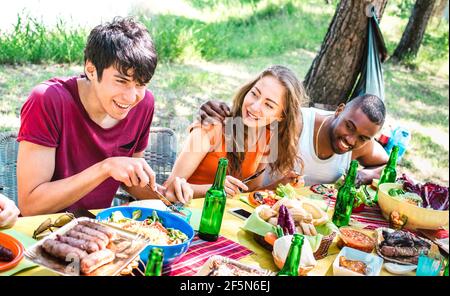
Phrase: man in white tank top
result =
(330, 140)
(315, 169)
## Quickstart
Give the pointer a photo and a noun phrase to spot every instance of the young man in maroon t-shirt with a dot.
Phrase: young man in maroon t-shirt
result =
(82, 137)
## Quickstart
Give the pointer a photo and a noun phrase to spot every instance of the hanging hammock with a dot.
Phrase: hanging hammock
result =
(370, 79)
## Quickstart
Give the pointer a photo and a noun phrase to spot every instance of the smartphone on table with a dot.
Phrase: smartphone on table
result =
(240, 213)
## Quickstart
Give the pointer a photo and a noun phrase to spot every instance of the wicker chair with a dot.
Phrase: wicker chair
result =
(8, 158)
(160, 155)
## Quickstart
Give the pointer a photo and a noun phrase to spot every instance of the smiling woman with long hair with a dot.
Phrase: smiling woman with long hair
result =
(263, 130)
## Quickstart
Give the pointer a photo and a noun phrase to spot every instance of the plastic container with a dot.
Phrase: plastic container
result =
(383, 140)
(429, 265)
(373, 262)
(400, 137)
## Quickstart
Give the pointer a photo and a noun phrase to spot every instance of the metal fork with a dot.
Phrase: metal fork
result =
(30, 253)
(167, 202)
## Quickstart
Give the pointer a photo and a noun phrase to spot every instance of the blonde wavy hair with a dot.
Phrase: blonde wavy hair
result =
(289, 127)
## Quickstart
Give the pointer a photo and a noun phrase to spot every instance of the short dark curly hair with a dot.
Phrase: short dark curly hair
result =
(372, 106)
(124, 43)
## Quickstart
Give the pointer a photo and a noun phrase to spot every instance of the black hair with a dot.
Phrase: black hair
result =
(372, 106)
(124, 43)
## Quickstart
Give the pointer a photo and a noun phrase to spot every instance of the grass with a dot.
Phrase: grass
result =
(32, 42)
(210, 56)
(181, 38)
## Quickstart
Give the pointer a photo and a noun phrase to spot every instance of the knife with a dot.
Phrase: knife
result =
(254, 176)
(167, 202)
(81, 212)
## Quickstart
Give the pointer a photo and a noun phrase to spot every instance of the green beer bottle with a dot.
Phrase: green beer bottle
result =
(389, 174)
(214, 205)
(290, 267)
(346, 197)
(155, 262)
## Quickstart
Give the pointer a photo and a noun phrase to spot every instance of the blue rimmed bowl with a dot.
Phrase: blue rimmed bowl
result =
(171, 253)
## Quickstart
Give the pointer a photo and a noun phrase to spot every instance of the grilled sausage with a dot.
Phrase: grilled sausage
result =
(95, 260)
(82, 244)
(109, 233)
(62, 250)
(92, 232)
(86, 237)
(400, 251)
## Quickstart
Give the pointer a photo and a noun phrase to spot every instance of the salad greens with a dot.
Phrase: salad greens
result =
(433, 195)
(406, 196)
(286, 191)
(118, 217)
(153, 218)
(396, 192)
(176, 234)
(364, 194)
(136, 214)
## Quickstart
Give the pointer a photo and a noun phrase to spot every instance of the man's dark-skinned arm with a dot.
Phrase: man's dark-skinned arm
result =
(373, 158)
(213, 111)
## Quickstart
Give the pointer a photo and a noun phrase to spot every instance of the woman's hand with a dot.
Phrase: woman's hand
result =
(293, 178)
(179, 190)
(234, 186)
(8, 212)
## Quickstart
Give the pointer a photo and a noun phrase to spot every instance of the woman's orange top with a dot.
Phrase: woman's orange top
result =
(205, 172)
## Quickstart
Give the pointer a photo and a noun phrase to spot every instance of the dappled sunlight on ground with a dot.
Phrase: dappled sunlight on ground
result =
(443, 70)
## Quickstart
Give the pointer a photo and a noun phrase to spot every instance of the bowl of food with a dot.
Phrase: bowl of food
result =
(162, 229)
(11, 252)
(356, 238)
(292, 216)
(394, 202)
(352, 262)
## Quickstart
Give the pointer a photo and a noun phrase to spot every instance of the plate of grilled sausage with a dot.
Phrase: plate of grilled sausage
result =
(86, 247)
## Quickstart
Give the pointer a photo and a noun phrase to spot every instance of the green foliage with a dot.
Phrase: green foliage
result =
(433, 52)
(211, 4)
(435, 41)
(270, 29)
(31, 41)
(403, 8)
(267, 28)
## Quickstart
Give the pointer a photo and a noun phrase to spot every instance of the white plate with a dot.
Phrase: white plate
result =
(149, 203)
(398, 268)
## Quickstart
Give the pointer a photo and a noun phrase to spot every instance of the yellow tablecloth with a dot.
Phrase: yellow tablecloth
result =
(231, 229)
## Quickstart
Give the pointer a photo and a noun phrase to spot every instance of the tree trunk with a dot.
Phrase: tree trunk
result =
(415, 29)
(439, 9)
(334, 71)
